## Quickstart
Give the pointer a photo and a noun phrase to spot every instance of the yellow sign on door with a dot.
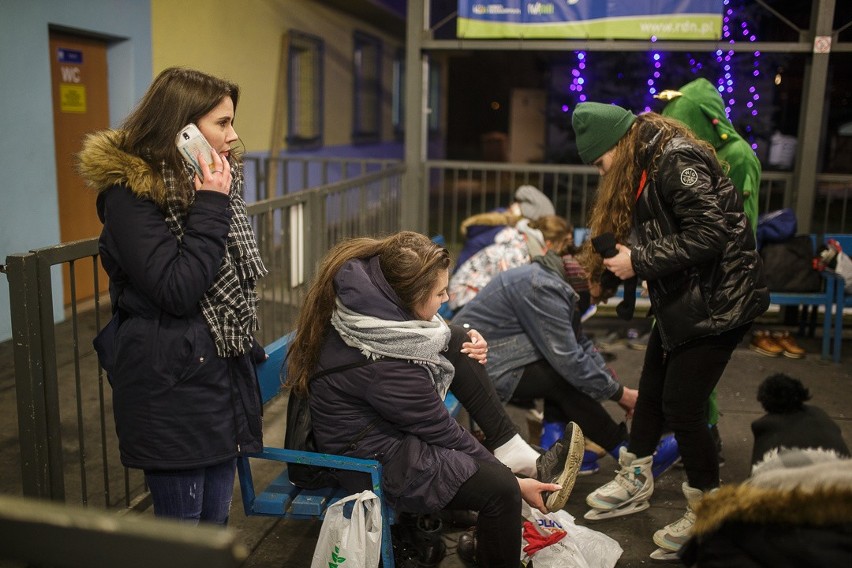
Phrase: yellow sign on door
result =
(72, 97)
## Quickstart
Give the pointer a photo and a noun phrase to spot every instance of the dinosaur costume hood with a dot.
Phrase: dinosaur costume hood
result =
(699, 105)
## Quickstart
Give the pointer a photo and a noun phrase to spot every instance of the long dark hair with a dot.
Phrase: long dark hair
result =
(410, 263)
(175, 98)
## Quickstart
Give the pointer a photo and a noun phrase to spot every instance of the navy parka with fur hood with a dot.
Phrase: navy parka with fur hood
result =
(426, 455)
(177, 405)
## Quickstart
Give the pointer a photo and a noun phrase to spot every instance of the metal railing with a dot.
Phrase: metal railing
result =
(458, 190)
(68, 447)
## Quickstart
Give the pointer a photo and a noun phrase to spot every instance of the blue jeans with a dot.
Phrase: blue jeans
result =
(194, 495)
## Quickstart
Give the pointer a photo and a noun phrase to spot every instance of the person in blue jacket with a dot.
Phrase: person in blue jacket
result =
(537, 348)
(182, 263)
(370, 355)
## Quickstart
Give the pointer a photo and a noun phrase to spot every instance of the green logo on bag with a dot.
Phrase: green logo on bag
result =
(336, 560)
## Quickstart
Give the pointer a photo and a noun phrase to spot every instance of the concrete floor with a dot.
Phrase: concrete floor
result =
(289, 544)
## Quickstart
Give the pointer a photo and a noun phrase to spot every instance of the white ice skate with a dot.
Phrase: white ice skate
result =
(672, 537)
(628, 493)
(661, 554)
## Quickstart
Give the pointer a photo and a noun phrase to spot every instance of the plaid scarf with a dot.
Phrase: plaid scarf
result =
(230, 304)
(420, 342)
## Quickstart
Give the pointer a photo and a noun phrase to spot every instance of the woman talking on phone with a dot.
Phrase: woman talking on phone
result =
(182, 262)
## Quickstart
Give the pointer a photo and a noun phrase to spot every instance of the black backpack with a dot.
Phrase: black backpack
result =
(299, 435)
(789, 265)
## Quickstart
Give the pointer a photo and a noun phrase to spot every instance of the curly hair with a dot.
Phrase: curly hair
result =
(637, 151)
(411, 264)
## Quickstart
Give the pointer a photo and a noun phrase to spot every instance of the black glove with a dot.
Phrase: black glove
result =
(604, 245)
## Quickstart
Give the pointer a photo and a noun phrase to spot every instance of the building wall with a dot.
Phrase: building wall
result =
(29, 216)
(244, 45)
(240, 41)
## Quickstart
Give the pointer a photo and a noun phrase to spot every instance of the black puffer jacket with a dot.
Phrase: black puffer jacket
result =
(177, 405)
(695, 247)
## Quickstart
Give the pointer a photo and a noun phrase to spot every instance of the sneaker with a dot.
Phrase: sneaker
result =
(763, 343)
(674, 535)
(466, 547)
(551, 432)
(590, 463)
(789, 346)
(610, 340)
(633, 483)
(534, 417)
(665, 456)
(639, 343)
(560, 465)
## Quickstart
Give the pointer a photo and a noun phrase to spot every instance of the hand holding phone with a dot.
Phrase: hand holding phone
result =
(206, 162)
(191, 142)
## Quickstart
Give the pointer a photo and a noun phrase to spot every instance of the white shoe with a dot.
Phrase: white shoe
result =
(628, 493)
(672, 536)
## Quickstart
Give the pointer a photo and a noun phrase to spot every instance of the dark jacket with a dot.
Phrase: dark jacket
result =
(177, 405)
(784, 518)
(695, 247)
(426, 455)
(527, 314)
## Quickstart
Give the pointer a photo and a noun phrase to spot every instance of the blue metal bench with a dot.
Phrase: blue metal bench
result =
(283, 499)
(841, 298)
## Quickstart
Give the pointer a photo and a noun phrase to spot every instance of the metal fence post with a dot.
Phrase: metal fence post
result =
(42, 474)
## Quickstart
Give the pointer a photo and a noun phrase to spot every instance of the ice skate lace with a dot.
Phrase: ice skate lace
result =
(628, 481)
(683, 524)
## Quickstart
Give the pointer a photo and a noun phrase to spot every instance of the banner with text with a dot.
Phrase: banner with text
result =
(591, 19)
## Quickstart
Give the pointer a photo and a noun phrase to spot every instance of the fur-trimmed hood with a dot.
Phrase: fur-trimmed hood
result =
(102, 164)
(489, 219)
(782, 491)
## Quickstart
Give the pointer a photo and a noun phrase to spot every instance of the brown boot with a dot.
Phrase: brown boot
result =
(763, 343)
(788, 344)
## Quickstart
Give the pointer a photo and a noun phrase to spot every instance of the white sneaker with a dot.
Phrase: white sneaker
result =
(628, 493)
(672, 536)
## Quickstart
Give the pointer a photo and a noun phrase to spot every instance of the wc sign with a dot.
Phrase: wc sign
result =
(72, 94)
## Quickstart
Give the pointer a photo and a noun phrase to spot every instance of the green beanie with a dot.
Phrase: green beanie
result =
(598, 128)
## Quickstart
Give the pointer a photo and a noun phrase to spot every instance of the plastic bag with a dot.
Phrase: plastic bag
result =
(354, 542)
(581, 547)
(844, 270)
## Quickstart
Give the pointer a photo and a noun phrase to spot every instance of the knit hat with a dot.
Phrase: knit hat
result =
(701, 108)
(533, 203)
(599, 127)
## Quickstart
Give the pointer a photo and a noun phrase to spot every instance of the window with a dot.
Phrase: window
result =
(398, 95)
(367, 75)
(304, 91)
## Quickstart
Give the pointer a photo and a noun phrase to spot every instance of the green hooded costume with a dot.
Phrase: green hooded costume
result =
(700, 107)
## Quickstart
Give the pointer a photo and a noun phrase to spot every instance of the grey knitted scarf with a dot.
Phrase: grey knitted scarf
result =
(418, 341)
(230, 304)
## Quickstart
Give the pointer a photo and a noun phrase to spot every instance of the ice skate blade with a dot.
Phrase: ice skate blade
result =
(629, 509)
(664, 555)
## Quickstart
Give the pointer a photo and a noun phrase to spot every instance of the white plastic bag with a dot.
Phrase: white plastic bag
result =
(355, 542)
(844, 269)
(582, 547)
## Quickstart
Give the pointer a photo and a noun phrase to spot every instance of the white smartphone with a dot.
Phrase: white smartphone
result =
(190, 141)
